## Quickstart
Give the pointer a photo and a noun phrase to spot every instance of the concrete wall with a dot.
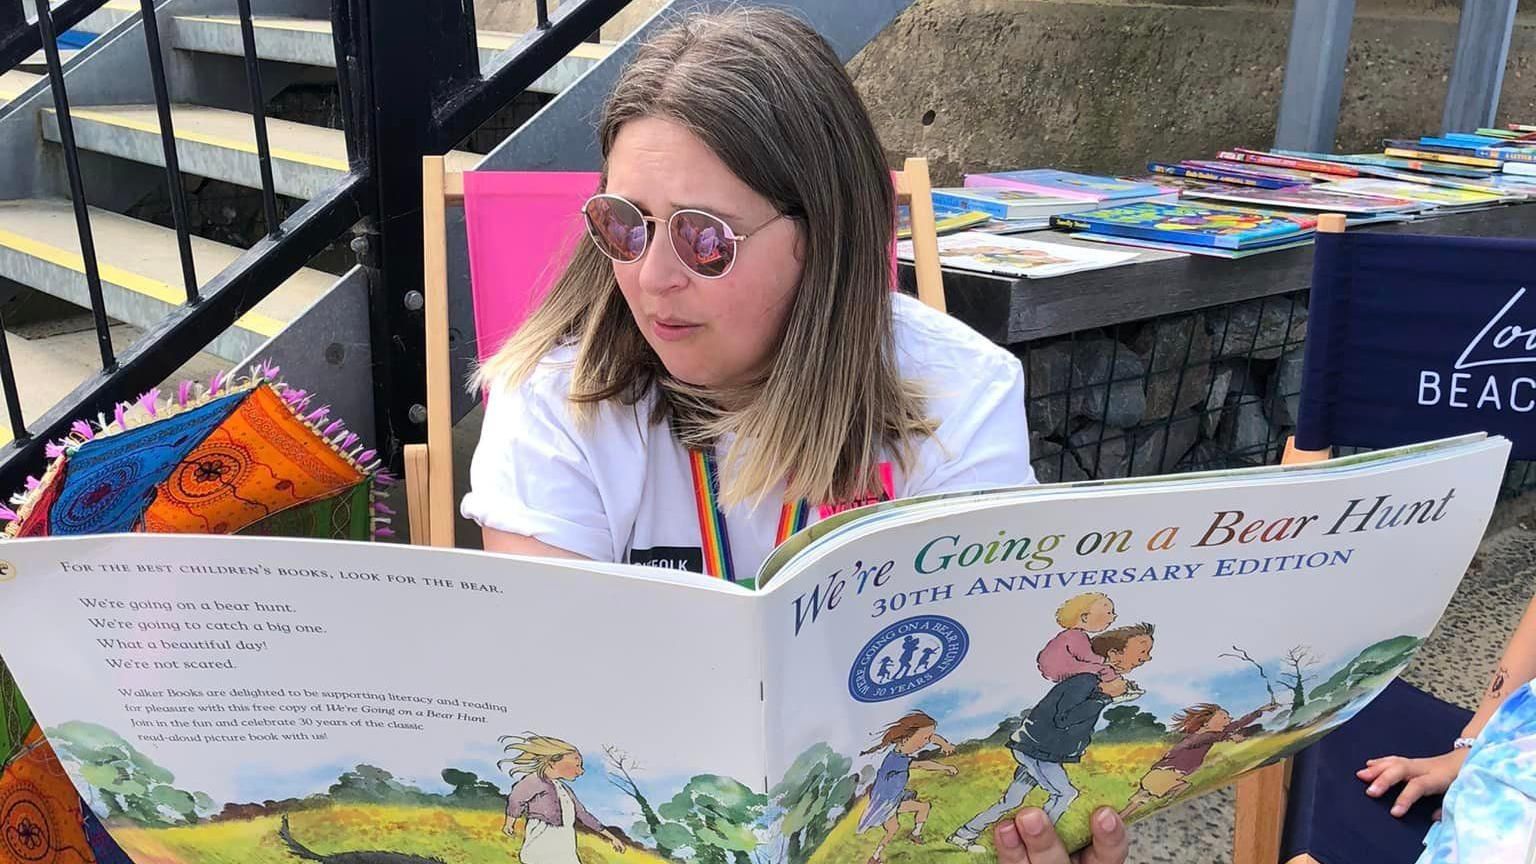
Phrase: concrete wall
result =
(1109, 84)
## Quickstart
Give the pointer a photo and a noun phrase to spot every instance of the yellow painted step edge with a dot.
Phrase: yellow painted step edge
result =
(212, 140)
(255, 322)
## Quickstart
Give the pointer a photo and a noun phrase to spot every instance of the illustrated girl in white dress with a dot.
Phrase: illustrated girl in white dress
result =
(543, 798)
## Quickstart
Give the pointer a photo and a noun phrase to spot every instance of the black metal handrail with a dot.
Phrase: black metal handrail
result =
(394, 112)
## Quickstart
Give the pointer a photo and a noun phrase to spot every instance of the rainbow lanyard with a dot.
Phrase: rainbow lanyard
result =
(712, 528)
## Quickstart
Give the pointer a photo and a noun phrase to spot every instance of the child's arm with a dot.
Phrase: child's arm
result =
(1433, 775)
(944, 744)
(929, 765)
(1081, 652)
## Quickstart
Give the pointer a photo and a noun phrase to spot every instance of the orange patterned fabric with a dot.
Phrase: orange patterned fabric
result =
(259, 461)
(41, 820)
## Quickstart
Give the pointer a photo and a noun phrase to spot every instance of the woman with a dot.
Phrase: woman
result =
(542, 797)
(722, 360)
(723, 356)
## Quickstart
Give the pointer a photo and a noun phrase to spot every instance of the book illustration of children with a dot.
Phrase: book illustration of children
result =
(544, 799)
(926, 658)
(884, 672)
(1057, 731)
(1070, 652)
(1009, 256)
(1203, 726)
(889, 796)
(909, 647)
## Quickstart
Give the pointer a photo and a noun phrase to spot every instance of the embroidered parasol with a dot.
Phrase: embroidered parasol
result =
(248, 456)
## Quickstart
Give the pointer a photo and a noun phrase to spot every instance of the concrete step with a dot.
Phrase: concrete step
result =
(39, 62)
(307, 41)
(15, 83)
(52, 358)
(140, 270)
(111, 14)
(211, 142)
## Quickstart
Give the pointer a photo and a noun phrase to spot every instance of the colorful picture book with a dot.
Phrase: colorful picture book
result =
(1438, 196)
(1433, 155)
(1305, 198)
(1271, 160)
(1001, 202)
(1380, 161)
(1066, 184)
(1213, 174)
(1192, 225)
(1202, 251)
(944, 221)
(1013, 256)
(1123, 643)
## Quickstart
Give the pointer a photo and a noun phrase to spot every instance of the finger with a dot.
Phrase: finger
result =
(1010, 846)
(1411, 793)
(1039, 836)
(1388, 778)
(1110, 843)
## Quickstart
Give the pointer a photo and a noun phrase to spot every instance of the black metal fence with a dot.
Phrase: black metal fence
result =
(410, 84)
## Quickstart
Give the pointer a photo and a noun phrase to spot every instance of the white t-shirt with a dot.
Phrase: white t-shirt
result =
(621, 489)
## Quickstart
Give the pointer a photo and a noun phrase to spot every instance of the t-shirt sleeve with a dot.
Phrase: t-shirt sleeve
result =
(531, 474)
(983, 434)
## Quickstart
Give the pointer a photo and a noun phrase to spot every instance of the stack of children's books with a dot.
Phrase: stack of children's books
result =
(1243, 202)
(1199, 228)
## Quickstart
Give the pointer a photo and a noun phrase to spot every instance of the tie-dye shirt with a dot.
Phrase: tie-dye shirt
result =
(1490, 811)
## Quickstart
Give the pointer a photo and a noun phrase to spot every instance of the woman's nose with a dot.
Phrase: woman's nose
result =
(660, 271)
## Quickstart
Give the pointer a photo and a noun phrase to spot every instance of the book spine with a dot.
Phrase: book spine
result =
(1115, 229)
(1203, 174)
(1475, 161)
(1038, 189)
(956, 202)
(1288, 162)
(1507, 154)
(1522, 168)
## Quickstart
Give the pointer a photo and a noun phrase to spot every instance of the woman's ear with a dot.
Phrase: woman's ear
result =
(799, 241)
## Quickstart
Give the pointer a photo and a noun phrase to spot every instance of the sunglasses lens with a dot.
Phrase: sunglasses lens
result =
(703, 242)
(616, 227)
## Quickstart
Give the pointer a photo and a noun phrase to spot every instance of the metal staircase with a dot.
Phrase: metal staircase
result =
(155, 110)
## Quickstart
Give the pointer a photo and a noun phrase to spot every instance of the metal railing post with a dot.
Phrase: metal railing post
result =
(1477, 73)
(1314, 75)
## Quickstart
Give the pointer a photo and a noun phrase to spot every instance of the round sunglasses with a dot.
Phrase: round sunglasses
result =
(702, 241)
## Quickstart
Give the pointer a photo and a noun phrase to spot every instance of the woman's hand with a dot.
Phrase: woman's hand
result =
(1030, 839)
(1430, 776)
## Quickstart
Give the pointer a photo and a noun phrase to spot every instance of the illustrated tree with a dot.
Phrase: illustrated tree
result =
(128, 784)
(815, 790)
(714, 817)
(1129, 723)
(620, 768)
(470, 792)
(1298, 661)
(367, 784)
(1240, 654)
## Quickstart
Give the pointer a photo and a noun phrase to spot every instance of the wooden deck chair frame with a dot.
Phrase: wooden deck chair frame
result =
(1262, 794)
(429, 467)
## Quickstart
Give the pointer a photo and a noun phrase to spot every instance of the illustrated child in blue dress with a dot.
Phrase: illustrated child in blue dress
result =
(889, 796)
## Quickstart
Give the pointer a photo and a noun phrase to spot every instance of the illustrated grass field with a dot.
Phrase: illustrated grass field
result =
(1108, 774)
(453, 836)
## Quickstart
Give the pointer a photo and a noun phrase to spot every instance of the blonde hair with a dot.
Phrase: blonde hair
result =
(1071, 613)
(768, 96)
(534, 753)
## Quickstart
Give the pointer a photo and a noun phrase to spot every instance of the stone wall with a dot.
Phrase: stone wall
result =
(1208, 390)
(1107, 85)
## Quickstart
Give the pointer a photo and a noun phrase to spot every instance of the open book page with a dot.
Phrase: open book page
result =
(204, 692)
(1014, 624)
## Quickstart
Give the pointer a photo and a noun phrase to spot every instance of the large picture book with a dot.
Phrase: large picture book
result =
(1192, 224)
(1437, 196)
(987, 252)
(1067, 184)
(1001, 202)
(1305, 198)
(1125, 643)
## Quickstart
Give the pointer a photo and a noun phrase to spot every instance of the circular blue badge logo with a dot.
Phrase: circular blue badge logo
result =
(906, 657)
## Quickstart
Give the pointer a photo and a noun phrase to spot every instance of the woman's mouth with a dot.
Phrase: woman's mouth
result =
(672, 330)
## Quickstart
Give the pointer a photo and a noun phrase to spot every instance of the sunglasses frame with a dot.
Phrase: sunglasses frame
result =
(650, 234)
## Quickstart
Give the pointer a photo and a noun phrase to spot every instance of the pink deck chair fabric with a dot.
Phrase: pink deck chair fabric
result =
(522, 227)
